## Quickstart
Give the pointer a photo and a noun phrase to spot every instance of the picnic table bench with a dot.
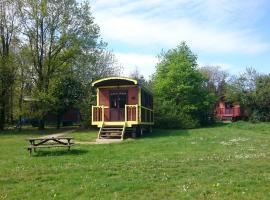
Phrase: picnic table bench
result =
(49, 142)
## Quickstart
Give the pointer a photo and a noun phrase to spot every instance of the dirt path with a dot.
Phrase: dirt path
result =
(98, 141)
(58, 134)
(101, 141)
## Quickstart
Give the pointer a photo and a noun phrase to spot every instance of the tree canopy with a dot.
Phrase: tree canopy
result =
(56, 45)
(180, 97)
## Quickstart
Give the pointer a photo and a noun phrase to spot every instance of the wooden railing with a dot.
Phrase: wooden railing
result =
(133, 113)
(234, 112)
(98, 113)
(147, 115)
(139, 114)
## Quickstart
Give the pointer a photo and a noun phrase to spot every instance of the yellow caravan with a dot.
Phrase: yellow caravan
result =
(123, 108)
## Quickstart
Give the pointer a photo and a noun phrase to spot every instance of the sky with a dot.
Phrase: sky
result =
(227, 33)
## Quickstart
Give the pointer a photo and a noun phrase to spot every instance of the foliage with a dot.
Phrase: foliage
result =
(101, 63)
(68, 92)
(136, 74)
(8, 43)
(51, 30)
(180, 97)
(215, 79)
(251, 90)
(262, 97)
(51, 40)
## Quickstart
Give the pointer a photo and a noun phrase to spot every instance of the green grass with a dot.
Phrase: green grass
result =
(222, 162)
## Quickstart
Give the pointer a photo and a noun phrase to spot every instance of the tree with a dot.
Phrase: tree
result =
(57, 32)
(42, 44)
(23, 82)
(89, 67)
(138, 76)
(262, 97)
(241, 89)
(215, 79)
(8, 30)
(181, 100)
(68, 92)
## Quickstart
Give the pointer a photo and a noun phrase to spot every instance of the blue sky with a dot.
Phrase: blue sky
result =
(226, 33)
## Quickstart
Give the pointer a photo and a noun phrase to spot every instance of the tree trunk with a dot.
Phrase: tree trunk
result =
(2, 110)
(2, 116)
(20, 123)
(21, 99)
(58, 121)
(11, 104)
(41, 125)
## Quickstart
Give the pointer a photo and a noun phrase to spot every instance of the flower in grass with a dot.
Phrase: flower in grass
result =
(216, 185)
(249, 156)
(165, 177)
(4, 196)
(234, 141)
(185, 188)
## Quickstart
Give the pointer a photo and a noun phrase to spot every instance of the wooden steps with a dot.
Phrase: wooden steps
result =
(111, 132)
(227, 118)
(116, 132)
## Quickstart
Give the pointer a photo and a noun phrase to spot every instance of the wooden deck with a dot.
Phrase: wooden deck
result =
(134, 115)
(224, 113)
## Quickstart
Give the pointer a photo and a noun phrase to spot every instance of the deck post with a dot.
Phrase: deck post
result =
(97, 113)
(102, 113)
(131, 113)
(139, 113)
(92, 114)
(97, 96)
(137, 110)
(125, 113)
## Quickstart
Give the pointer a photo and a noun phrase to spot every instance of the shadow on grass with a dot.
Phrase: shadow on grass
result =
(178, 132)
(44, 153)
(216, 125)
(158, 133)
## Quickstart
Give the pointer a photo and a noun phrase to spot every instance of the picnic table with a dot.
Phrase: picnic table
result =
(48, 142)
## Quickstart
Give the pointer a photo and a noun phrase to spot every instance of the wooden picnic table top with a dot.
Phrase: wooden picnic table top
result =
(51, 138)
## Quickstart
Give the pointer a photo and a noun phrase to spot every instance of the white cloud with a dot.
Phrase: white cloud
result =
(221, 27)
(144, 63)
(118, 23)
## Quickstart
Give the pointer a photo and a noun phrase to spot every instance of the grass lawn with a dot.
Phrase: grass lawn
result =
(223, 162)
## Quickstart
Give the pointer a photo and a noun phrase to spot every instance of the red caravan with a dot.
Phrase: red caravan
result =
(227, 111)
